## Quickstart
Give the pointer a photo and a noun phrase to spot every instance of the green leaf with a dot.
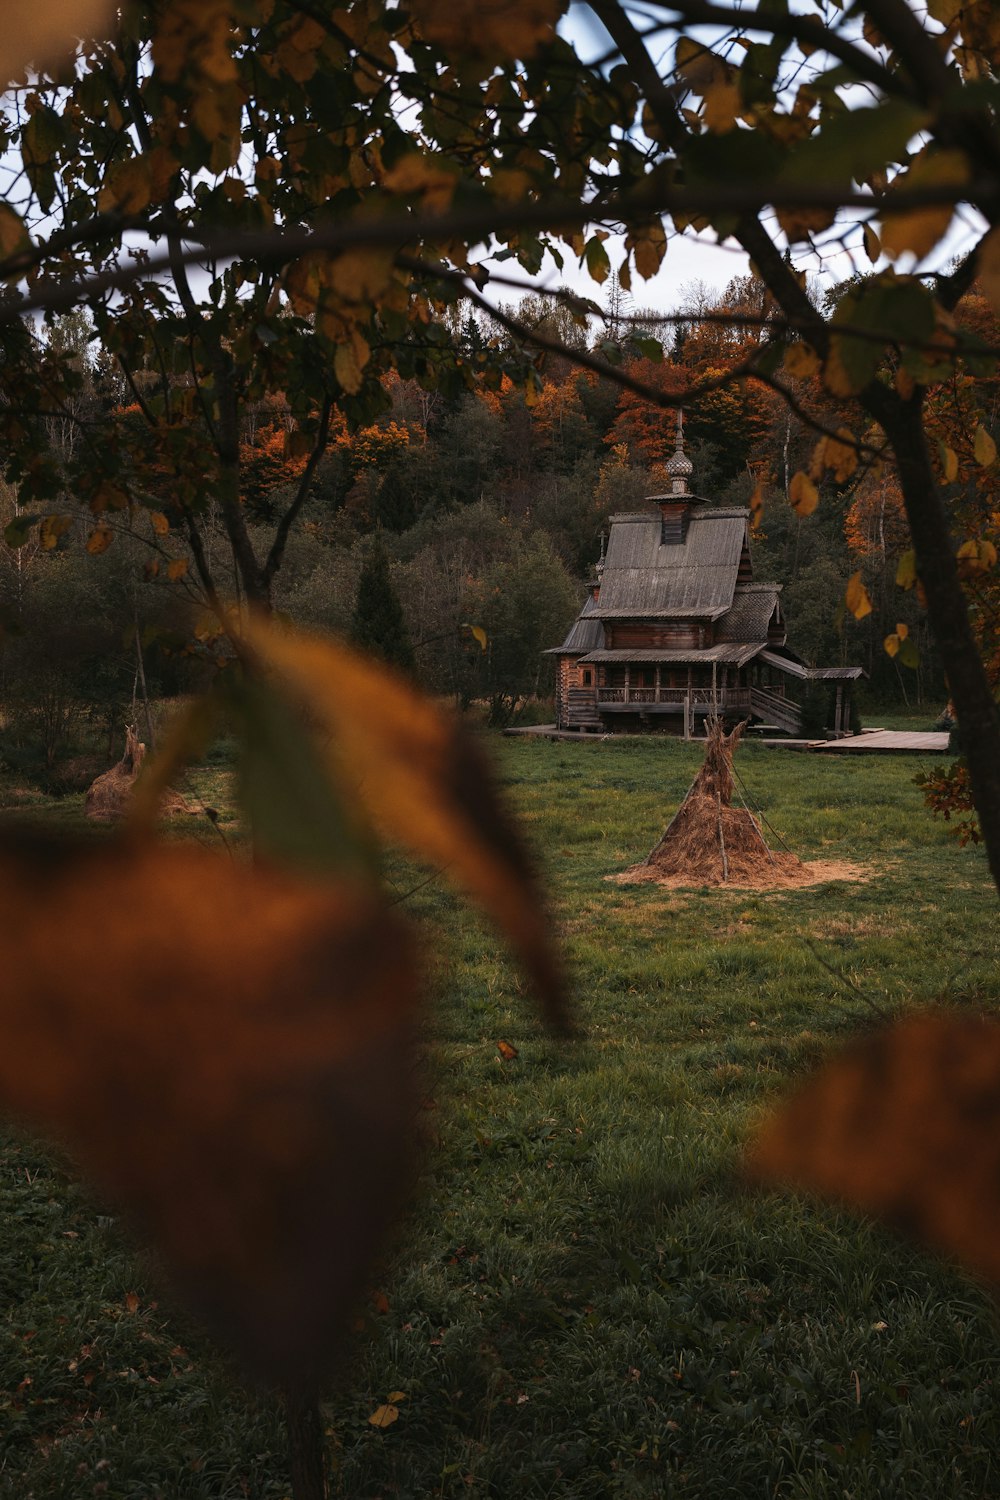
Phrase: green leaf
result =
(596, 257)
(18, 531)
(296, 814)
(650, 349)
(908, 653)
(852, 145)
(906, 570)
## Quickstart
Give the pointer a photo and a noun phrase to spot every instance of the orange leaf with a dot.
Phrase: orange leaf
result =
(507, 1050)
(384, 1416)
(242, 1047)
(100, 540)
(177, 568)
(905, 1124)
(803, 494)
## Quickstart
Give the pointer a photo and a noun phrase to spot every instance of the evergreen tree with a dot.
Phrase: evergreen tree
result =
(378, 624)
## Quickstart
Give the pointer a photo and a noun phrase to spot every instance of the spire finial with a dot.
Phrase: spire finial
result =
(680, 466)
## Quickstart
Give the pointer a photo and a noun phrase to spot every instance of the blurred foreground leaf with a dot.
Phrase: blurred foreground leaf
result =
(905, 1124)
(227, 1052)
(423, 781)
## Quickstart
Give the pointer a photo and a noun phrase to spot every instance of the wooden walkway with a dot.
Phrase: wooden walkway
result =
(873, 742)
(869, 742)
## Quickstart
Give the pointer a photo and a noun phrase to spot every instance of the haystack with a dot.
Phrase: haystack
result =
(108, 796)
(709, 841)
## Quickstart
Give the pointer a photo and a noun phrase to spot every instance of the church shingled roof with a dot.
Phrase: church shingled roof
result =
(645, 578)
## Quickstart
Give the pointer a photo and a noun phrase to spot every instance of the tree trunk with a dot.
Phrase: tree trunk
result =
(306, 1448)
(947, 609)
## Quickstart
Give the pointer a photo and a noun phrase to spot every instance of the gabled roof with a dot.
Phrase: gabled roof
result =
(585, 633)
(645, 578)
(749, 619)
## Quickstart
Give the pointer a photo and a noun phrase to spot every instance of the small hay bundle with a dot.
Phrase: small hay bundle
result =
(710, 842)
(108, 796)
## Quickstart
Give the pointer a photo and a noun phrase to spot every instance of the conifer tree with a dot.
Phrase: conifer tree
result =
(378, 624)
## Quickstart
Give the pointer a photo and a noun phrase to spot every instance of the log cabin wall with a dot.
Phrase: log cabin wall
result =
(670, 635)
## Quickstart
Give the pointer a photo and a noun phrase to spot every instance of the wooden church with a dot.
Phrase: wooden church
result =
(675, 629)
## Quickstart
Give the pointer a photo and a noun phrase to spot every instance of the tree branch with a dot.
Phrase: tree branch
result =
(277, 552)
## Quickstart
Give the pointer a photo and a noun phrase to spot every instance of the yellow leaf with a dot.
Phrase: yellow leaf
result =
(839, 453)
(51, 529)
(723, 105)
(108, 496)
(478, 634)
(384, 1416)
(421, 779)
(347, 369)
(902, 631)
(100, 540)
(649, 246)
(803, 494)
(800, 361)
(128, 186)
(177, 568)
(892, 644)
(904, 1124)
(976, 557)
(159, 522)
(395, 1396)
(919, 229)
(856, 597)
(45, 30)
(274, 1035)
(360, 275)
(949, 463)
(429, 175)
(799, 223)
(757, 506)
(906, 570)
(984, 448)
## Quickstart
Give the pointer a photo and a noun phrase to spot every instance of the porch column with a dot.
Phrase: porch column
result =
(626, 681)
(656, 683)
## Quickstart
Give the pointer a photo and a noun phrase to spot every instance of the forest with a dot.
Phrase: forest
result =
(483, 507)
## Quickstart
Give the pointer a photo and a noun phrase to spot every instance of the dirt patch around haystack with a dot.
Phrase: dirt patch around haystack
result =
(708, 842)
(802, 873)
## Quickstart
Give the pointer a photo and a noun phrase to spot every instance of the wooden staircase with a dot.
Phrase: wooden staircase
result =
(581, 709)
(781, 712)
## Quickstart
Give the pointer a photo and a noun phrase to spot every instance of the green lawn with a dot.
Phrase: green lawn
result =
(587, 1302)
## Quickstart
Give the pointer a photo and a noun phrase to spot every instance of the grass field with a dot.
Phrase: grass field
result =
(586, 1301)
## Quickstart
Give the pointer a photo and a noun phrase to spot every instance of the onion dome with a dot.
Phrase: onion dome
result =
(680, 466)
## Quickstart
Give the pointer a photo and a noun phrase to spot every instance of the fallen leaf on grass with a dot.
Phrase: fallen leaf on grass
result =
(506, 1050)
(384, 1416)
